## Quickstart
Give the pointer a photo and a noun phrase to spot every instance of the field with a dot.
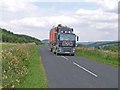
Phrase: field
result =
(103, 56)
(6, 45)
(22, 66)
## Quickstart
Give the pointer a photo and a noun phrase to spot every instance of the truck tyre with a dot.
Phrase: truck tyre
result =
(54, 52)
(57, 53)
(72, 54)
(51, 50)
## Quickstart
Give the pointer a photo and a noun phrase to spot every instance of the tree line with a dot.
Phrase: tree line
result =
(7, 36)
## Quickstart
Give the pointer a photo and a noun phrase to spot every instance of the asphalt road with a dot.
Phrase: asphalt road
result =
(77, 72)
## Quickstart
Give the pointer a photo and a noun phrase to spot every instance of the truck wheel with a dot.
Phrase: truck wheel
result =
(72, 54)
(51, 50)
(57, 53)
(54, 52)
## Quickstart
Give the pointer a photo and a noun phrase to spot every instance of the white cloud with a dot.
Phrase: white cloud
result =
(14, 5)
(17, 5)
(45, 21)
(26, 17)
(97, 14)
(102, 26)
(33, 22)
(98, 19)
(110, 4)
(106, 4)
(107, 33)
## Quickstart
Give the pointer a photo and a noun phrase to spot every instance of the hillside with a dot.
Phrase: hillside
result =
(104, 45)
(99, 43)
(8, 36)
(45, 41)
(84, 43)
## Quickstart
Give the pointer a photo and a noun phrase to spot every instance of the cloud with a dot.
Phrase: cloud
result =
(24, 16)
(106, 4)
(103, 26)
(97, 15)
(15, 6)
(33, 22)
(99, 19)
(45, 21)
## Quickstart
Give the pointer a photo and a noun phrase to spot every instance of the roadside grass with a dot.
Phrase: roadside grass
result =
(106, 57)
(0, 68)
(6, 45)
(36, 77)
(44, 44)
(22, 67)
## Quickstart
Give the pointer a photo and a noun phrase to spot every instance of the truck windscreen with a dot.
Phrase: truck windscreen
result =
(68, 37)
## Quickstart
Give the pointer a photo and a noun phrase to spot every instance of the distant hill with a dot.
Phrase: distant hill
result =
(99, 43)
(8, 36)
(104, 45)
(45, 41)
(85, 43)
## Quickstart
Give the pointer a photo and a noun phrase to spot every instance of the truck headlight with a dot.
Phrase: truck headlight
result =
(73, 49)
(60, 49)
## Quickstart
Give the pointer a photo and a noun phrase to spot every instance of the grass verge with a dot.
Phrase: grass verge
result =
(22, 67)
(106, 57)
(6, 45)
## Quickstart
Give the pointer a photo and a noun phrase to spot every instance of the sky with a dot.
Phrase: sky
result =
(92, 20)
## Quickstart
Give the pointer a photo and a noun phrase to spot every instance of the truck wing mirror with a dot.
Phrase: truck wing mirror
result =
(77, 38)
(58, 36)
(72, 29)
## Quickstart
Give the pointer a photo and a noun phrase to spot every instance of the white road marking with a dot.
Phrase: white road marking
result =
(85, 69)
(65, 57)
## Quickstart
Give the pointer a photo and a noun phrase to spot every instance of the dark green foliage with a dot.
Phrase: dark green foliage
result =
(10, 37)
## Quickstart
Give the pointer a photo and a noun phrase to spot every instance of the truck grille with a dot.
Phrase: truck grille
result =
(67, 43)
(67, 49)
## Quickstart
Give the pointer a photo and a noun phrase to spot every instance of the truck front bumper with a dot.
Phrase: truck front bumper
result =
(66, 50)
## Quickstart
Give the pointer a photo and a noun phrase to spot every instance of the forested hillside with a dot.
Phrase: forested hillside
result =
(10, 37)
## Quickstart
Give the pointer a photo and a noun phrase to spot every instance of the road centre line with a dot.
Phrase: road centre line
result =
(85, 69)
(65, 57)
(81, 67)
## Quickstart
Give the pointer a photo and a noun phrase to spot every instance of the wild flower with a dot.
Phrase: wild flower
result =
(15, 61)
(12, 86)
(17, 80)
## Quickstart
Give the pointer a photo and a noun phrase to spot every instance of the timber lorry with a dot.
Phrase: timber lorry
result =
(62, 40)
